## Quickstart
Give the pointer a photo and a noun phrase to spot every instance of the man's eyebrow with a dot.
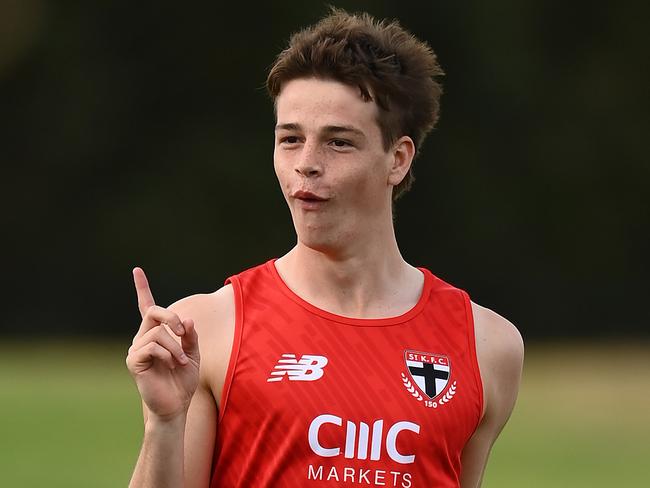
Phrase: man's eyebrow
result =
(289, 126)
(338, 129)
(328, 129)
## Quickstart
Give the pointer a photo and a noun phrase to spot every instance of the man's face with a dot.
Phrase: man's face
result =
(330, 161)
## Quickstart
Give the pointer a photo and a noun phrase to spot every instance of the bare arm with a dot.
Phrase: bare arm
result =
(180, 418)
(215, 319)
(500, 353)
(178, 453)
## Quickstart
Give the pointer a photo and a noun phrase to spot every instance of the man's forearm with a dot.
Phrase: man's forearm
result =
(160, 464)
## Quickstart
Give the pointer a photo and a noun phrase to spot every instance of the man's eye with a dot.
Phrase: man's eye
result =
(340, 143)
(289, 139)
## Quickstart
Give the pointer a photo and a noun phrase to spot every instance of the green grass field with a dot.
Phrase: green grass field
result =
(70, 417)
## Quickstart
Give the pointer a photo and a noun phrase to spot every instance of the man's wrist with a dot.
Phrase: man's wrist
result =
(168, 423)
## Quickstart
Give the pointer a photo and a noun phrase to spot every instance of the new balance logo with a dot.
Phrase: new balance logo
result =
(307, 368)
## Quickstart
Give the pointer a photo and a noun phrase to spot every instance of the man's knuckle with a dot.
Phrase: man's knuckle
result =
(131, 361)
(149, 312)
(158, 333)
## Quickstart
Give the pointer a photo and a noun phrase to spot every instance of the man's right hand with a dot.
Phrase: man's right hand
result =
(166, 372)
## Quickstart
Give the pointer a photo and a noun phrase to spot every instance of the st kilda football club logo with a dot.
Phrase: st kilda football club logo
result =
(428, 378)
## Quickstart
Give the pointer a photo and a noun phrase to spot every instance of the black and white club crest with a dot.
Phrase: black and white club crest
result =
(430, 372)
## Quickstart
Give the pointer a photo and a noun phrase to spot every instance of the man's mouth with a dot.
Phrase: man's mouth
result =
(308, 196)
(308, 201)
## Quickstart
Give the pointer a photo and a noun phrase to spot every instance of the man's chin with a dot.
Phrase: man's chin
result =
(317, 240)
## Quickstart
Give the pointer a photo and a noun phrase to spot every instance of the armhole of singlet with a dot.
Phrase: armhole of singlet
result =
(471, 337)
(236, 344)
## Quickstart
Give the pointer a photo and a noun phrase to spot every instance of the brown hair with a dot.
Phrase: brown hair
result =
(387, 63)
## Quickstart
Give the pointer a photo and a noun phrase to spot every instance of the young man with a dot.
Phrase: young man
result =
(338, 363)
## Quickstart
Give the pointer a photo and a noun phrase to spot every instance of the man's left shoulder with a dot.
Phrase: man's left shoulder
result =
(500, 354)
(497, 337)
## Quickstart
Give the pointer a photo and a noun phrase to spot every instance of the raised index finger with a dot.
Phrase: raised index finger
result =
(145, 298)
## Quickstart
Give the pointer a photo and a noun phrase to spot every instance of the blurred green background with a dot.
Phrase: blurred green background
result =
(139, 133)
(71, 418)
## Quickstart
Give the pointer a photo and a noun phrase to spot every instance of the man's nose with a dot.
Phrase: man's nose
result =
(309, 163)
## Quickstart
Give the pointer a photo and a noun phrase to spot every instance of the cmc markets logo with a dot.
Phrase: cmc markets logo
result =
(360, 442)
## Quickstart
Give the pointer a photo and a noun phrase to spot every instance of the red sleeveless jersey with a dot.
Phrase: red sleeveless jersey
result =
(314, 399)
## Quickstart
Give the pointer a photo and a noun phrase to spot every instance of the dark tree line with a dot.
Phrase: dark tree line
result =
(138, 133)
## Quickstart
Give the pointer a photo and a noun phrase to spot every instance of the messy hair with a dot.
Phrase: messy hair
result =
(388, 65)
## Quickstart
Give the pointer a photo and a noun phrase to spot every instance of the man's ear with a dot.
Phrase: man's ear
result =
(403, 152)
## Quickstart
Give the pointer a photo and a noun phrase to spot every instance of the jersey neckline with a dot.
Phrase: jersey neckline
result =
(369, 322)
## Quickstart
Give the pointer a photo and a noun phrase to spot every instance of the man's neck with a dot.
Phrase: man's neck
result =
(371, 281)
